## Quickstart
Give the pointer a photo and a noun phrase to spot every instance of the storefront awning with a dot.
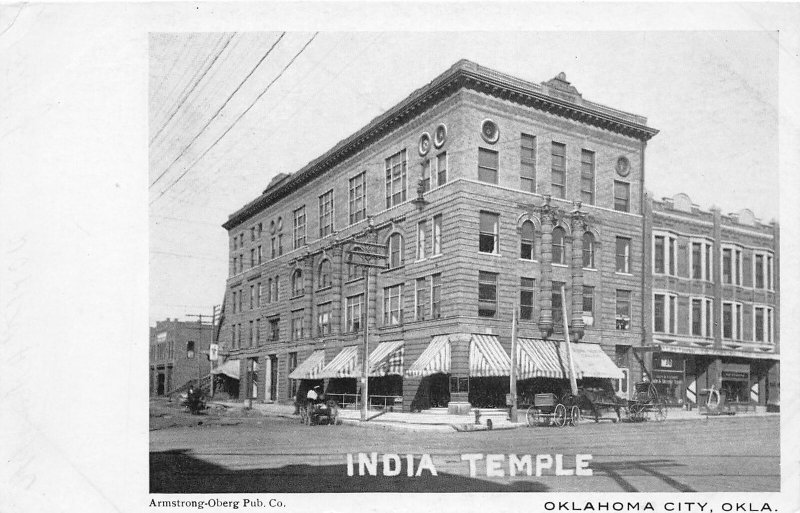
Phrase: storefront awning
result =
(711, 351)
(549, 359)
(229, 368)
(435, 359)
(344, 365)
(487, 357)
(386, 359)
(311, 367)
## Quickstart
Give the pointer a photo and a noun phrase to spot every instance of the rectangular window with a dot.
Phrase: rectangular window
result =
(252, 257)
(672, 255)
(353, 313)
(758, 330)
(770, 283)
(731, 320)
(393, 305)
(274, 329)
(488, 165)
(659, 313)
(587, 177)
(260, 255)
(697, 317)
(426, 175)
(526, 289)
(252, 296)
(326, 214)
(420, 299)
(588, 305)
(234, 301)
(487, 294)
(558, 170)
(697, 260)
(727, 265)
(527, 170)
(273, 247)
(441, 169)
(358, 203)
(280, 244)
(436, 295)
(258, 332)
(665, 254)
(557, 306)
(759, 271)
(489, 232)
(623, 310)
(709, 319)
(299, 227)
(324, 319)
(623, 254)
(277, 282)
(260, 229)
(422, 229)
(252, 337)
(622, 196)
(658, 255)
(709, 262)
(297, 324)
(437, 235)
(269, 290)
(396, 179)
(252, 233)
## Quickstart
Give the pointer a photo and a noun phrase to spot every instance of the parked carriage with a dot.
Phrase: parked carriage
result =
(320, 413)
(547, 410)
(646, 404)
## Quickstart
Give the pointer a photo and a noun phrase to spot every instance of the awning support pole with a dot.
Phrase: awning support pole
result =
(513, 384)
(573, 384)
(365, 372)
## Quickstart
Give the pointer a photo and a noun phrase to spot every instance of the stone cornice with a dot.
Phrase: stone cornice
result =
(467, 75)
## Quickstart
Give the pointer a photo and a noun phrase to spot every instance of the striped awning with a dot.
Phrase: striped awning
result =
(386, 359)
(549, 359)
(487, 357)
(344, 365)
(435, 359)
(311, 367)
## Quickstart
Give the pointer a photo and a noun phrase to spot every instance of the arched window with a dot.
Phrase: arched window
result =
(559, 256)
(297, 283)
(325, 274)
(395, 250)
(526, 242)
(588, 250)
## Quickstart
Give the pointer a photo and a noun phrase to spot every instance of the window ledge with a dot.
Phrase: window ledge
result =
(324, 289)
(623, 274)
(437, 255)
(487, 253)
(354, 280)
(384, 271)
(528, 260)
(590, 269)
(559, 265)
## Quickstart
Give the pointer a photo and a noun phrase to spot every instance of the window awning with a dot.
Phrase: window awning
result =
(386, 359)
(487, 357)
(344, 365)
(435, 359)
(311, 367)
(549, 359)
(229, 368)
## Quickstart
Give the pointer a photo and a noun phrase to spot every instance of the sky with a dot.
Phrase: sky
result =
(224, 119)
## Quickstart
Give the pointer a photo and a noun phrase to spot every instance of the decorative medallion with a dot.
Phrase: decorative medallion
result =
(440, 135)
(623, 166)
(489, 131)
(424, 144)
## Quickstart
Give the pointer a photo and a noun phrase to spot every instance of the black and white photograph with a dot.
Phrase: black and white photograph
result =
(390, 255)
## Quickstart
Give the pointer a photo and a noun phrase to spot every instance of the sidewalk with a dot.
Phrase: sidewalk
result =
(442, 422)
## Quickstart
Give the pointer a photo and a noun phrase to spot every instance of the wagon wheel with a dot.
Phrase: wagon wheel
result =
(574, 415)
(635, 412)
(660, 411)
(532, 416)
(560, 415)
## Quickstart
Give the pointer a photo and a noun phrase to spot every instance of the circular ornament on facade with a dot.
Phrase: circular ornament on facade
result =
(424, 144)
(623, 166)
(272, 227)
(490, 131)
(440, 135)
(280, 223)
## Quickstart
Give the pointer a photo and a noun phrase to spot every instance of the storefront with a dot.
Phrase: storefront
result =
(669, 377)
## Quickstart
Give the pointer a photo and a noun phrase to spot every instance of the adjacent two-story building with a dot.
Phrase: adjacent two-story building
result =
(715, 303)
(178, 354)
(479, 194)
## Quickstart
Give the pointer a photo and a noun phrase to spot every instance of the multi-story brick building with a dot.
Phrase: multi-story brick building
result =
(714, 302)
(485, 192)
(178, 354)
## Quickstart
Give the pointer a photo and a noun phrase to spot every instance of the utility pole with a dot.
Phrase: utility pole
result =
(513, 384)
(214, 321)
(573, 384)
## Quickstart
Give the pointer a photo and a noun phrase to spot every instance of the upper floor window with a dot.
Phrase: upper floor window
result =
(665, 254)
(358, 203)
(259, 230)
(393, 305)
(426, 175)
(664, 313)
(559, 253)
(297, 324)
(702, 317)
(487, 294)
(732, 265)
(252, 233)
(623, 253)
(395, 250)
(325, 274)
(762, 271)
(324, 319)
(299, 227)
(701, 260)
(762, 324)
(436, 296)
(441, 169)
(422, 229)
(622, 196)
(527, 287)
(488, 165)
(526, 241)
(274, 329)
(587, 177)
(252, 257)
(420, 298)
(190, 349)
(623, 310)
(355, 271)
(437, 235)
(260, 256)
(326, 214)
(488, 239)
(297, 283)
(558, 170)
(252, 296)
(731, 320)
(588, 250)
(527, 170)
(588, 305)
(259, 294)
(353, 312)
(396, 179)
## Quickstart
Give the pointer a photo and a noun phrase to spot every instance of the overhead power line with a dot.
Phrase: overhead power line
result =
(191, 88)
(224, 104)
(262, 93)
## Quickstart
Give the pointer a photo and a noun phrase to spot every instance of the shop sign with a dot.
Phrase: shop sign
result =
(735, 375)
(667, 362)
